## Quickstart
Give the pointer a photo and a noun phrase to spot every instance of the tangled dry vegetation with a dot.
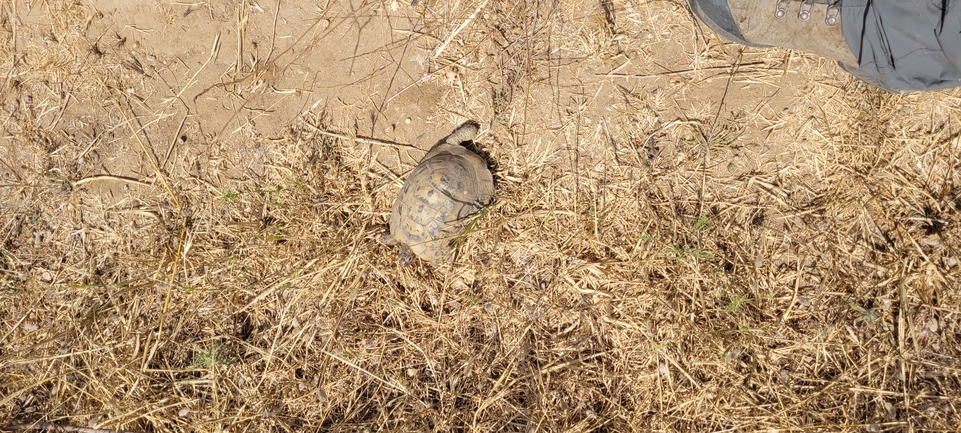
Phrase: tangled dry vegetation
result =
(689, 235)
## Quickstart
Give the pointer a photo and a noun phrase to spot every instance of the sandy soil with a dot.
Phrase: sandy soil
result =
(689, 235)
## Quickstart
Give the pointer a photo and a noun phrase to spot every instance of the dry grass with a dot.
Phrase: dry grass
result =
(688, 236)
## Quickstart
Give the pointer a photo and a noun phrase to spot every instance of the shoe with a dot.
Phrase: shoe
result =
(812, 26)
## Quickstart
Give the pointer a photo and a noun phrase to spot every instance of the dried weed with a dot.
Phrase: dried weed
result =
(689, 235)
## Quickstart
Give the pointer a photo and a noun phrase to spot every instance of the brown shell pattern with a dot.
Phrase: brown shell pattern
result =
(446, 188)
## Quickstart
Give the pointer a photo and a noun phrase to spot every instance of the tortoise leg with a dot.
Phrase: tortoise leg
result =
(405, 256)
(387, 239)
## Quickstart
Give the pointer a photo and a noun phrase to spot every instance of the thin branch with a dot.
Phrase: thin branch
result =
(361, 139)
(741, 67)
(61, 428)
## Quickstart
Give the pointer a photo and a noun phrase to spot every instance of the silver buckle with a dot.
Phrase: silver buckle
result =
(833, 14)
(781, 9)
(805, 13)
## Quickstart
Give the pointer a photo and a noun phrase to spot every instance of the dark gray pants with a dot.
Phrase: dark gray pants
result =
(905, 44)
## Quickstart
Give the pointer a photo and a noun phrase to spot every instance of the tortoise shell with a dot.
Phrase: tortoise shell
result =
(448, 186)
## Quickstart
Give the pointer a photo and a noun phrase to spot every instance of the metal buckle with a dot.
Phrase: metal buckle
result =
(805, 13)
(833, 14)
(781, 9)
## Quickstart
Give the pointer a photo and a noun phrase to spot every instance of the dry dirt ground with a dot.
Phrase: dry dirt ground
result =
(689, 235)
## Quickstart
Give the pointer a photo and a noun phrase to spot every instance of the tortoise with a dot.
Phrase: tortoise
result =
(449, 185)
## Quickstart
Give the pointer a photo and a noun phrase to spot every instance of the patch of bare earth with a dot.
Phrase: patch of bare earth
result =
(689, 235)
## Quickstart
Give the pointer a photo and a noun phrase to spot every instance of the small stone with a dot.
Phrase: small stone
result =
(889, 408)
(321, 395)
(732, 354)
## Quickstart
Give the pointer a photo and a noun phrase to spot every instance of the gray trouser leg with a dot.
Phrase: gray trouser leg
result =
(906, 44)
